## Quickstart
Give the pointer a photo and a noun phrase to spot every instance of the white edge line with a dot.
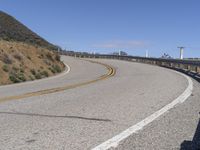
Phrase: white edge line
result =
(114, 142)
(66, 71)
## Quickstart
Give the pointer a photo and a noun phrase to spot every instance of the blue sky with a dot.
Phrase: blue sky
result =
(134, 26)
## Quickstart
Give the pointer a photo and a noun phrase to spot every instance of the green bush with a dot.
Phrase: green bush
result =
(17, 77)
(44, 73)
(57, 68)
(33, 72)
(31, 77)
(17, 56)
(49, 56)
(15, 69)
(6, 59)
(21, 77)
(13, 78)
(57, 57)
(38, 76)
(21, 70)
(52, 70)
(46, 61)
(5, 68)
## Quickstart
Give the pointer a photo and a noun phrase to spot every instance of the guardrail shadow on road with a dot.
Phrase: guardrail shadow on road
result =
(194, 75)
(195, 143)
(55, 116)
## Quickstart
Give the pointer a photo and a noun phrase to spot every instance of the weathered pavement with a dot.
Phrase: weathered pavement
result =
(79, 72)
(177, 129)
(84, 117)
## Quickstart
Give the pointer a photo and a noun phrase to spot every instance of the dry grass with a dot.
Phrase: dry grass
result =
(21, 62)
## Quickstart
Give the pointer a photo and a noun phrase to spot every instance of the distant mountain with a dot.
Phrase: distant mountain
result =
(13, 30)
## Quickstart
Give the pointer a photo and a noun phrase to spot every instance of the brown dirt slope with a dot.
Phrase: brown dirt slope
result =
(21, 62)
(23, 54)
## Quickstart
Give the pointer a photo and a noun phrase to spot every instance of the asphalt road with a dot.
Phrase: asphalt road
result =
(86, 116)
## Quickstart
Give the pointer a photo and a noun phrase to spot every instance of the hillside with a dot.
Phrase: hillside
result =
(13, 30)
(23, 54)
(21, 62)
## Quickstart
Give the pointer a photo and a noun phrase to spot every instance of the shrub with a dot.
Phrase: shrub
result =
(31, 77)
(6, 59)
(33, 72)
(15, 69)
(21, 77)
(47, 62)
(16, 78)
(52, 70)
(17, 56)
(13, 78)
(38, 76)
(29, 57)
(44, 73)
(49, 56)
(5, 68)
(57, 68)
(57, 57)
(21, 70)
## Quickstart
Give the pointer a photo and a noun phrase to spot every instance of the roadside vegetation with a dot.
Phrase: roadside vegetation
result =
(24, 55)
(21, 62)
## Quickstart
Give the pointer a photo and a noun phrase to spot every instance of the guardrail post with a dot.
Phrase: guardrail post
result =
(194, 68)
(181, 66)
(176, 65)
(158, 63)
(198, 69)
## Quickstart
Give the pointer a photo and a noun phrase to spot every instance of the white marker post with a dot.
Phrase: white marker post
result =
(181, 52)
(147, 54)
(119, 52)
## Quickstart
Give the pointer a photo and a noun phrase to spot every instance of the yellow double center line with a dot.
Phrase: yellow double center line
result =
(111, 72)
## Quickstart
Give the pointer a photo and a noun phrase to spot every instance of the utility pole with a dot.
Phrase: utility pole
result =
(181, 51)
(119, 52)
(147, 54)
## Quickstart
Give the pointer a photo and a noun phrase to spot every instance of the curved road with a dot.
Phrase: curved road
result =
(86, 116)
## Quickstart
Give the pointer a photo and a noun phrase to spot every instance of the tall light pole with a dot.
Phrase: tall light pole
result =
(147, 53)
(181, 52)
(119, 52)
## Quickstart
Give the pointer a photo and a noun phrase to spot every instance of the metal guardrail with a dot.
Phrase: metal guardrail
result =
(189, 67)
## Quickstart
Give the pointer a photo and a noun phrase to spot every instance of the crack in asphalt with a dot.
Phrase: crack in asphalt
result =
(55, 116)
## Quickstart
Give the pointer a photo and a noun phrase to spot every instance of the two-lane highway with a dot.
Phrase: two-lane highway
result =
(83, 71)
(86, 116)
